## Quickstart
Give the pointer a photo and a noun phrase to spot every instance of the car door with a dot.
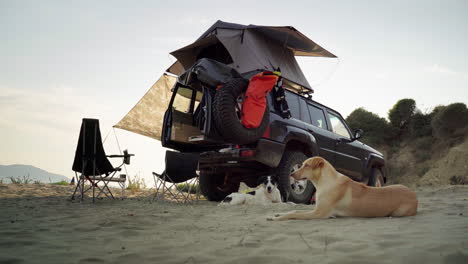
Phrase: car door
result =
(316, 124)
(348, 153)
(180, 109)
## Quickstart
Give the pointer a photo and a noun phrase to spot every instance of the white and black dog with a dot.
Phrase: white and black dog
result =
(266, 193)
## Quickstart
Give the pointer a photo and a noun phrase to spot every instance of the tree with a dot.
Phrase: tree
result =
(401, 113)
(447, 120)
(377, 130)
(420, 125)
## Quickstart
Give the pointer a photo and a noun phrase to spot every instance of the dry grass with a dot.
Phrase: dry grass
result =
(137, 184)
(20, 180)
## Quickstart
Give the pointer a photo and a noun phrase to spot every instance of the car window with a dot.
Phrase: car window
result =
(317, 118)
(293, 103)
(198, 98)
(304, 111)
(338, 126)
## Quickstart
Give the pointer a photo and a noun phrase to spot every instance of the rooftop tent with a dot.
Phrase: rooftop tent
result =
(245, 48)
(254, 47)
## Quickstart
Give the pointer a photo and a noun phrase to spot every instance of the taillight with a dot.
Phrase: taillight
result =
(247, 153)
(267, 132)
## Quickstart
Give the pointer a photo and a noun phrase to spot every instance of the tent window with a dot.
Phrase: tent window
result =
(182, 100)
(216, 52)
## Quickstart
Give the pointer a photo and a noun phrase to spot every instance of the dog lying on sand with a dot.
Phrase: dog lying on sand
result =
(338, 195)
(266, 193)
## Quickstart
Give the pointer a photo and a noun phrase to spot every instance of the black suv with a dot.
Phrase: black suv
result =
(195, 122)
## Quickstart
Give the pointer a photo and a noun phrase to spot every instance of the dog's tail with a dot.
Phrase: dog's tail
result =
(228, 199)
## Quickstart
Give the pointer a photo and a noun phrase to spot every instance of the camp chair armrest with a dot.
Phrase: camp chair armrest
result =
(120, 156)
(126, 157)
(107, 178)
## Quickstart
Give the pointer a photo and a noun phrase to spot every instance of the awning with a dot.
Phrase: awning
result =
(146, 117)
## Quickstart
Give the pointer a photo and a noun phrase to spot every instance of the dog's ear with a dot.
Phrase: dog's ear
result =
(261, 180)
(274, 179)
(317, 163)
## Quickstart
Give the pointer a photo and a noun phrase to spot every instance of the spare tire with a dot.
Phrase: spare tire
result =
(226, 114)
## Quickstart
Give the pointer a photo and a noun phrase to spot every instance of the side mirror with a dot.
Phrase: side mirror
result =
(358, 134)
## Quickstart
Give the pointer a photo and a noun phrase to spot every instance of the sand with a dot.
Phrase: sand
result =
(39, 225)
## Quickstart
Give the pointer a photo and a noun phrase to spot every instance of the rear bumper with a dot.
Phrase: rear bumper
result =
(267, 152)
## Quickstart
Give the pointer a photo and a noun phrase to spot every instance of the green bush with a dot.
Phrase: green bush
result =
(60, 183)
(423, 144)
(422, 156)
(423, 171)
(447, 120)
(436, 110)
(377, 130)
(401, 113)
(420, 125)
(458, 180)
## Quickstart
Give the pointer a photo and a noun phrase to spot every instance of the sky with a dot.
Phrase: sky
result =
(61, 61)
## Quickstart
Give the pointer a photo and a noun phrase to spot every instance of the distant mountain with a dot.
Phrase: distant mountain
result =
(30, 172)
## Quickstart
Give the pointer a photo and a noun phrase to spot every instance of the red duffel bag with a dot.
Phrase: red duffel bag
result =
(255, 100)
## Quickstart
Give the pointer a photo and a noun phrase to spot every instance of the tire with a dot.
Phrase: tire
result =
(377, 179)
(226, 118)
(209, 184)
(290, 161)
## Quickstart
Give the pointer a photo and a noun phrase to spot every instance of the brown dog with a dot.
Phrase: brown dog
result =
(338, 195)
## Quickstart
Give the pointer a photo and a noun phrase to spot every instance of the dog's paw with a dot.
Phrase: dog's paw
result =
(277, 217)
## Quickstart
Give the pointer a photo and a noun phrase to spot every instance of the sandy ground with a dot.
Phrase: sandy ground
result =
(39, 225)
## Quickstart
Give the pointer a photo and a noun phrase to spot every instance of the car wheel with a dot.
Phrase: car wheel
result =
(377, 179)
(292, 190)
(210, 184)
(227, 114)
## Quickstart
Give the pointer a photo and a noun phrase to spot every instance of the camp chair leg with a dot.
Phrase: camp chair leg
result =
(166, 188)
(102, 190)
(82, 189)
(176, 195)
(122, 186)
(158, 183)
(77, 188)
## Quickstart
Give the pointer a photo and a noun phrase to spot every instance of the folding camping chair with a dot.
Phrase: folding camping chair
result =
(180, 167)
(93, 164)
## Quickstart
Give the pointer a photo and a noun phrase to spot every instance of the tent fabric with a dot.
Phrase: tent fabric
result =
(256, 47)
(250, 48)
(146, 117)
(288, 35)
(176, 68)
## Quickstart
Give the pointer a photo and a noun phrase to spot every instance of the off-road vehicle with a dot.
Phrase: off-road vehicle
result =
(204, 114)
